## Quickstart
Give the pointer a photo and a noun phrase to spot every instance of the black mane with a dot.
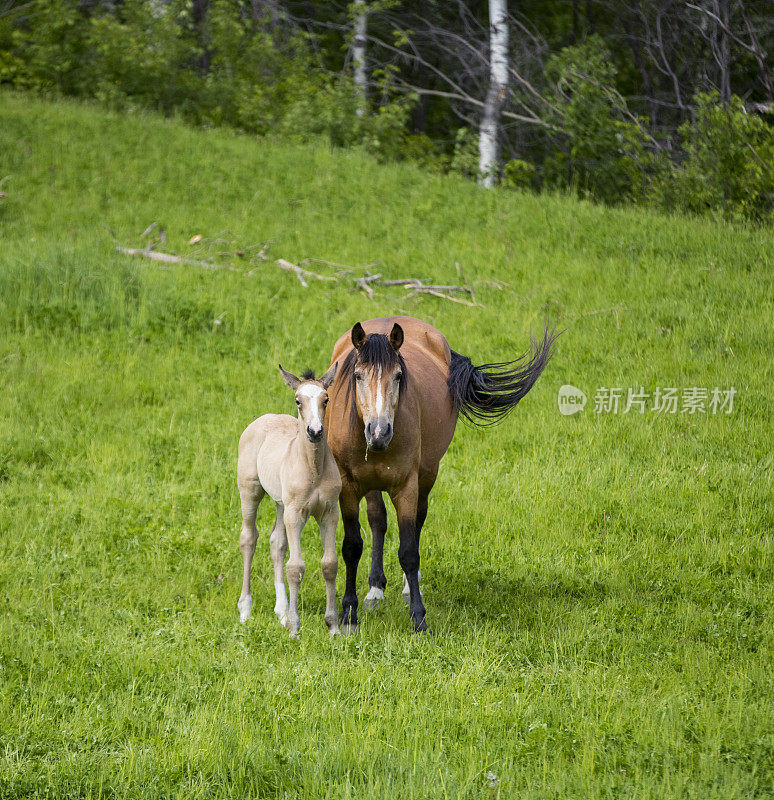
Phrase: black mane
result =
(308, 375)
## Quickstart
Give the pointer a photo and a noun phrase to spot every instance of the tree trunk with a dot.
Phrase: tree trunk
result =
(724, 50)
(489, 141)
(359, 55)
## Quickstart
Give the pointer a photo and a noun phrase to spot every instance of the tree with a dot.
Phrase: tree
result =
(360, 14)
(489, 130)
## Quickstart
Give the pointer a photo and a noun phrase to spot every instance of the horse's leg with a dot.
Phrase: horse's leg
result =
(330, 565)
(279, 548)
(251, 493)
(405, 499)
(351, 549)
(377, 520)
(421, 517)
(294, 523)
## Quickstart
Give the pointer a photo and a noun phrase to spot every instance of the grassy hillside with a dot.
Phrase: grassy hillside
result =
(600, 584)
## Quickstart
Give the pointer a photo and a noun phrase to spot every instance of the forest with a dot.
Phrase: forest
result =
(665, 103)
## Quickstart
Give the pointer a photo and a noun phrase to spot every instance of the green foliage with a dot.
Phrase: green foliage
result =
(602, 156)
(139, 56)
(220, 63)
(54, 51)
(600, 585)
(518, 174)
(465, 158)
(422, 150)
(729, 164)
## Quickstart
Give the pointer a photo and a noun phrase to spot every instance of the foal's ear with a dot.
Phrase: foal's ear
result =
(396, 337)
(292, 381)
(358, 336)
(327, 379)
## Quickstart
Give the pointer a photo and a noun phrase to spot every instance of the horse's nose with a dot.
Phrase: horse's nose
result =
(378, 434)
(314, 434)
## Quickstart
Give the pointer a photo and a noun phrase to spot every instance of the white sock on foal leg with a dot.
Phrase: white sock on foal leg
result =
(245, 605)
(281, 606)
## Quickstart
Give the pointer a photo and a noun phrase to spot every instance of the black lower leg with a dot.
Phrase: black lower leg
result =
(377, 519)
(408, 555)
(351, 550)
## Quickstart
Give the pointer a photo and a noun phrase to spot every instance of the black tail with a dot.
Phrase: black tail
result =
(485, 394)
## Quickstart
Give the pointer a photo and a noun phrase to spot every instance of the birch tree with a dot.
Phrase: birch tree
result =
(489, 130)
(360, 14)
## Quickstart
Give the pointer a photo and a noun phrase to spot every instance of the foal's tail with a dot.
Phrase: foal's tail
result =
(485, 394)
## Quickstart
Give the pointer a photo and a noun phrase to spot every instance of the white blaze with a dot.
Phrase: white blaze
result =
(379, 399)
(313, 392)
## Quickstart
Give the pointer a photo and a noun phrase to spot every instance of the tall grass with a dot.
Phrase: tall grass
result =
(600, 585)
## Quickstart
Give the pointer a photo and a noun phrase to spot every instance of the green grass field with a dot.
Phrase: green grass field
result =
(600, 585)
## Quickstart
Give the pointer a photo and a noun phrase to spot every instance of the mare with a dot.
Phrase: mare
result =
(392, 413)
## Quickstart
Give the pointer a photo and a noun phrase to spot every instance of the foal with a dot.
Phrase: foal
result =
(289, 459)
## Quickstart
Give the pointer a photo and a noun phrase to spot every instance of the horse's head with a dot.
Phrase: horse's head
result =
(311, 399)
(378, 373)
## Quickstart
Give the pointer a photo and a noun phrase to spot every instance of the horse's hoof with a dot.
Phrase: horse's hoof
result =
(245, 605)
(348, 629)
(334, 631)
(294, 635)
(374, 598)
(421, 629)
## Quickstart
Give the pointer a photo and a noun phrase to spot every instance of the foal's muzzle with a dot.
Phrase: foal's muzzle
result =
(314, 436)
(378, 434)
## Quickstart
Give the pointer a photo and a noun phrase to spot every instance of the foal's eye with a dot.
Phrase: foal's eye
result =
(398, 376)
(358, 376)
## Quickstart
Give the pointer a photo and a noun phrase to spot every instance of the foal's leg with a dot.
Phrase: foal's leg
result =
(279, 547)
(330, 565)
(405, 501)
(294, 523)
(351, 549)
(251, 494)
(377, 520)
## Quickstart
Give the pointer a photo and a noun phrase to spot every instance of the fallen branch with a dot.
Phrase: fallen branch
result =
(365, 283)
(302, 273)
(165, 258)
(168, 258)
(431, 290)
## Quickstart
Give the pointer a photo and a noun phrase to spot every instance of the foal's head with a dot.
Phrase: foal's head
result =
(377, 373)
(311, 399)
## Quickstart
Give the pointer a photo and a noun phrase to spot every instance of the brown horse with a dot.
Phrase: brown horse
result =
(392, 414)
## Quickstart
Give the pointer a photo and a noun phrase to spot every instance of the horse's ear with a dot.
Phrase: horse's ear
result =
(292, 381)
(358, 336)
(396, 337)
(327, 379)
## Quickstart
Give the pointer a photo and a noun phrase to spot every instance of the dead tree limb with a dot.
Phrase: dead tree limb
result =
(165, 258)
(301, 273)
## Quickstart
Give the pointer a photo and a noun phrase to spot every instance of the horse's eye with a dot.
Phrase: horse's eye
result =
(398, 376)
(358, 376)
(298, 402)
